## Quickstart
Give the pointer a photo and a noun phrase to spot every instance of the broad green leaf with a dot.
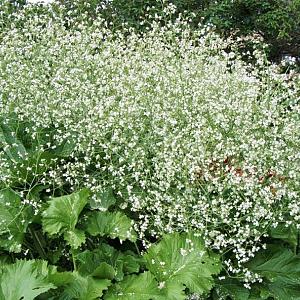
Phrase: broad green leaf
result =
(276, 261)
(173, 291)
(280, 268)
(181, 260)
(130, 263)
(103, 201)
(84, 288)
(63, 212)
(12, 146)
(112, 224)
(66, 148)
(135, 287)
(285, 289)
(75, 238)
(88, 261)
(104, 271)
(61, 278)
(288, 234)
(14, 218)
(231, 288)
(24, 280)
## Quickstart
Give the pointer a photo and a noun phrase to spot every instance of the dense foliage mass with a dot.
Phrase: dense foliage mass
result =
(153, 165)
(276, 21)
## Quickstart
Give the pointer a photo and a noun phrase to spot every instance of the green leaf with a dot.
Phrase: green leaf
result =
(34, 193)
(75, 238)
(180, 260)
(130, 263)
(84, 288)
(12, 146)
(173, 291)
(88, 261)
(135, 287)
(61, 278)
(66, 148)
(231, 288)
(112, 224)
(103, 201)
(274, 262)
(280, 268)
(285, 289)
(14, 218)
(104, 271)
(288, 234)
(24, 280)
(63, 212)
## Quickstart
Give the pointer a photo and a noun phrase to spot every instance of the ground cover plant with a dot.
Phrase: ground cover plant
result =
(154, 165)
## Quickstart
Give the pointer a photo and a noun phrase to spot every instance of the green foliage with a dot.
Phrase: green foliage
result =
(285, 233)
(189, 264)
(136, 287)
(24, 280)
(231, 288)
(84, 288)
(14, 219)
(111, 139)
(112, 224)
(62, 216)
(280, 267)
(277, 21)
(103, 200)
(12, 146)
(121, 262)
(74, 238)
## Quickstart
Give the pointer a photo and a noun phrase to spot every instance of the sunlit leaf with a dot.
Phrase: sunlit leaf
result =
(84, 288)
(75, 238)
(103, 200)
(24, 280)
(136, 287)
(63, 212)
(12, 146)
(112, 224)
(180, 260)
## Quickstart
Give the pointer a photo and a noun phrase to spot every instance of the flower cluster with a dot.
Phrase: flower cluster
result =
(185, 136)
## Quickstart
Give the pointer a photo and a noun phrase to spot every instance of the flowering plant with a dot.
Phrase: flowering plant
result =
(154, 160)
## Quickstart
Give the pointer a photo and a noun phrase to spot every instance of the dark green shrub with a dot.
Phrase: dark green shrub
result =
(277, 21)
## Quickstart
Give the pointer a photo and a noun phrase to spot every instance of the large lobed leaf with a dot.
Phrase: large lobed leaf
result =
(276, 262)
(280, 268)
(24, 280)
(14, 218)
(103, 200)
(82, 288)
(62, 216)
(136, 287)
(120, 263)
(12, 146)
(112, 224)
(181, 260)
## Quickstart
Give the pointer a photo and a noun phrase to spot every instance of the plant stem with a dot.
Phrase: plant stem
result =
(73, 260)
